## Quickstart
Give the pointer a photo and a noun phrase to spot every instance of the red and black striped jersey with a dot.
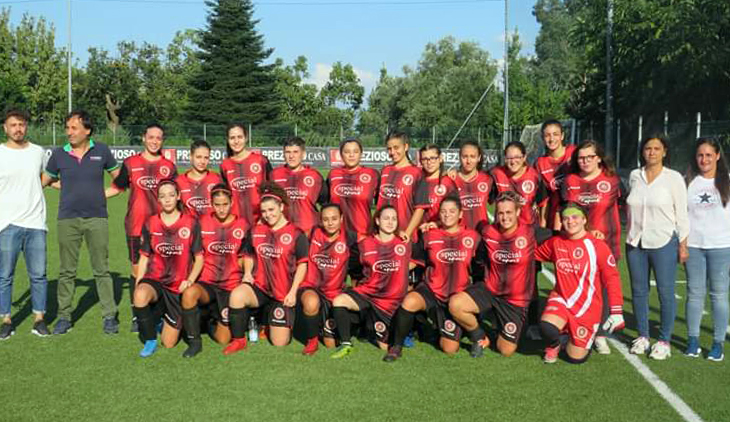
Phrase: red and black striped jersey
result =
(474, 195)
(276, 254)
(141, 177)
(552, 171)
(600, 197)
(195, 194)
(304, 190)
(528, 186)
(385, 269)
(401, 188)
(582, 268)
(438, 188)
(244, 178)
(170, 249)
(222, 250)
(448, 260)
(511, 263)
(330, 260)
(355, 191)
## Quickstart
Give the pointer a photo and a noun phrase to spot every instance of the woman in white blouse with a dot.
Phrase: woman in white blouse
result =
(658, 227)
(708, 195)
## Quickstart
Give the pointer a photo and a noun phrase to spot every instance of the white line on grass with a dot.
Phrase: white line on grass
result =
(663, 389)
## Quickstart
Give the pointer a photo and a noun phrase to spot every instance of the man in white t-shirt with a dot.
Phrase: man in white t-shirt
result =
(22, 221)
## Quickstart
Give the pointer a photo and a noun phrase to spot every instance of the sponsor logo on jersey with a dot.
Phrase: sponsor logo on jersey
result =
(308, 181)
(468, 242)
(165, 171)
(604, 186)
(449, 326)
(197, 203)
(449, 256)
(400, 250)
(365, 178)
(386, 266)
(340, 247)
(325, 262)
(581, 332)
(147, 183)
(238, 233)
(483, 187)
(470, 202)
(587, 198)
(167, 250)
(221, 248)
(346, 189)
(578, 253)
(506, 257)
(566, 266)
(255, 168)
(528, 186)
(407, 180)
(267, 250)
(510, 328)
(241, 184)
(439, 190)
(184, 232)
(295, 194)
(390, 191)
(285, 238)
(611, 260)
(521, 242)
(379, 327)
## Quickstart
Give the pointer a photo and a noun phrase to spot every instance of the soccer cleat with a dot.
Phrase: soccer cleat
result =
(342, 351)
(235, 346)
(716, 353)
(194, 347)
(660, 350)
(409, 340)
(693, 347)
(111, 325)
(551, 354)
(393, 354)
(62, 326)
(601, 346)
(6, 330)
(150, 346)
(640, 346)
(311, 347)
(40, 329)
(477, 349)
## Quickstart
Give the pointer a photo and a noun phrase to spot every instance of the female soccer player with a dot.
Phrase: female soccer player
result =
(448, 252)
(398, 185)
(386, 260)
(244, 171)
(171, 260)
(222, 235)
(353, 187)
(437, 184)
(474, 185)
(196, 183)
(583, 265)
(303, 186)
(508, 251)
(517, 176)
(553, 167)
(141, 173)
(275, 264)
(333, 253)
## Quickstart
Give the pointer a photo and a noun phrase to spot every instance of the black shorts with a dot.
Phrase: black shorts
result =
(172, 312)
(438, 313)
(277, 315)
(218, 304)
(510, 318)
(325, 310)
(134, 245)
(373, 316)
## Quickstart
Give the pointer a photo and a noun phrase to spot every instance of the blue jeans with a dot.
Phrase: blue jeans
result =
(32, 242)
(664, 263)
(703, 266)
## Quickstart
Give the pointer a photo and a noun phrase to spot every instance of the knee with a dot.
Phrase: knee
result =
(410, 303)
(576, 358)
(506, 348)
(456, 304)
(449, 347)
(238, 297)
(340, 301)
(550, 332)
(310, 303)
(190, 298)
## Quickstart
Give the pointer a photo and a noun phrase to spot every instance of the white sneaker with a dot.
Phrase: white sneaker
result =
(640, 346)
(660, 350)
(601, 346)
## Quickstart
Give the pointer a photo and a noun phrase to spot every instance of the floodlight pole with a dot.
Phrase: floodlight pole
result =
(68, 58)
(505, 134)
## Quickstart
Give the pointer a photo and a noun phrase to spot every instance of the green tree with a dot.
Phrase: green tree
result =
(299, 101)
(233, 82)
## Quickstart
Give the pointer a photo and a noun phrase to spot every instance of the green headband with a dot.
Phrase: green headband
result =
(571, 211)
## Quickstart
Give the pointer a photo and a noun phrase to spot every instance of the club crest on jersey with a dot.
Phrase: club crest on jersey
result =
(309, 181)
(578, 253)
(279, 314)
(224, 314)
(365, 178)
(147, 183)
(556, 182)
(386, 266)
(165, 171)
(285, 238)
(603, 186)
(184, 232)
(581, 332)
(611, 260)
(255, 168)
(407, 180)
(483, 187)
(329, 325)
(400, 250)
(238, 233)
(528, 186)
(510, 328)
(468, 242)
(379, 327)
(449, 326)
(521, 242)
(439, 190)
(340, 247)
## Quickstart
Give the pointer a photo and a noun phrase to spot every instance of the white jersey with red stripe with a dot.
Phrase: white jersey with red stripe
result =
(583, 267)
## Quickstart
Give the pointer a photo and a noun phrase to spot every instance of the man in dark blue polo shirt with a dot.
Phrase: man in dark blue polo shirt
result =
(82, 215)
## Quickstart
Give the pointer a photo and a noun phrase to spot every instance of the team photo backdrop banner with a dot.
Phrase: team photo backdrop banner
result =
(317, 157)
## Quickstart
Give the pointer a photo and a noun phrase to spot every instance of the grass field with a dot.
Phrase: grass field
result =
(86, 375)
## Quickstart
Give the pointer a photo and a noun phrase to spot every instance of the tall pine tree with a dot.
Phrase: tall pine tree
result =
(233, 83)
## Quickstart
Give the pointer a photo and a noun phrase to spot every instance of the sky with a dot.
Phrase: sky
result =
(366, 34)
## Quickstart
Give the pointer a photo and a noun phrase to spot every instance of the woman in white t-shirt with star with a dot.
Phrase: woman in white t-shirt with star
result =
(708, 200)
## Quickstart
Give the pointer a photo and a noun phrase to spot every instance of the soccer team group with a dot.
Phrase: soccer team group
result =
(249, 245)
